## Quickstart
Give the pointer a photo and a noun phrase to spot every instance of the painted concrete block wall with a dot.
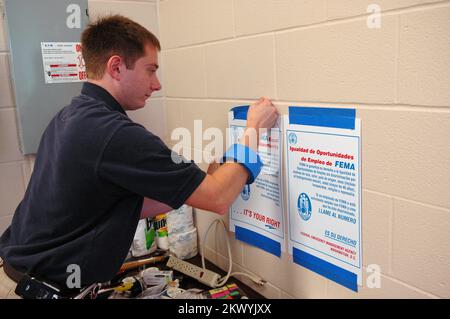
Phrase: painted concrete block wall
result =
(13, 165)
(16, 169)
(219, 54)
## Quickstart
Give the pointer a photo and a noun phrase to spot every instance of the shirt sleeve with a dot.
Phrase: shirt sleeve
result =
(140, 162)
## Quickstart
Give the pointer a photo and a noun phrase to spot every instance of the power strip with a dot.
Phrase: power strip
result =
(205, 276)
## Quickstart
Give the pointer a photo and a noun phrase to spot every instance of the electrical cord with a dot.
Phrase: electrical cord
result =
(223, 280)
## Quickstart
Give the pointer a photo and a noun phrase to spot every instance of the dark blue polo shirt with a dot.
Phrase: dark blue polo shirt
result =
(93, 167)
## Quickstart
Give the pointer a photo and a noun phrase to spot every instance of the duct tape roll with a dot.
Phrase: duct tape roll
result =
(180, 220)
(184, 245)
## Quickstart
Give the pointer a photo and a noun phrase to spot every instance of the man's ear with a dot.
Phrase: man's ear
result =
(114, 67)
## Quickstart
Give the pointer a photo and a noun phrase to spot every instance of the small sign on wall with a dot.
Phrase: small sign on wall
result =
(63, 62)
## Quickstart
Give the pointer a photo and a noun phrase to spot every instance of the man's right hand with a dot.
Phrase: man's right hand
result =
(262, 114)
(220, 188)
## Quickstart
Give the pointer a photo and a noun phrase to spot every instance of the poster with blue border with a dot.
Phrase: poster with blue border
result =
(323, 185)
(257, 215)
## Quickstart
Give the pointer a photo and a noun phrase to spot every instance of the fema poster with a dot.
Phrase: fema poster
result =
(323, 166)
(256, 216)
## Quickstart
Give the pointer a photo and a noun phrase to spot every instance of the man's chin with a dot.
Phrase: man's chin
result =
(135, 107)
(139, 107)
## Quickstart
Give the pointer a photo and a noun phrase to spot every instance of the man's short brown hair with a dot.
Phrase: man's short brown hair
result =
(114, 35)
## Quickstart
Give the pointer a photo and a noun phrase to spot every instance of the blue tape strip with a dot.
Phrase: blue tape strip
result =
(240, 112)
(324, 268)
(247, 157)
(258, 240)
(320, 116)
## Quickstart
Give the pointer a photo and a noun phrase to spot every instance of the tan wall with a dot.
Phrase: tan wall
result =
(15, 168)
(220, 53)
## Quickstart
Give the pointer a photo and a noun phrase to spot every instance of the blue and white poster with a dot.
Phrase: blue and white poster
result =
(323, 184)
(256, 216)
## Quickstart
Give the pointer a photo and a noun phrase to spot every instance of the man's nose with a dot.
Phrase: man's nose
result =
(155, 84)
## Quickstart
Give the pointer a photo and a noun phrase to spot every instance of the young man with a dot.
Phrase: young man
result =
(94, 166)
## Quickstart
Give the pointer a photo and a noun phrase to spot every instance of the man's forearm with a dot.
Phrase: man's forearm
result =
(230, 178)
(223, 183)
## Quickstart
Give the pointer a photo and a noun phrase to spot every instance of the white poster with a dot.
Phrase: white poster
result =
(323, 168)
(63, 62)
(259, 207)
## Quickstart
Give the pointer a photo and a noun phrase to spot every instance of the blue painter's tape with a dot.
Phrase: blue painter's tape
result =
(240, 112)
(320, 116)
(324, 268)
(321, 111)
(258, 240)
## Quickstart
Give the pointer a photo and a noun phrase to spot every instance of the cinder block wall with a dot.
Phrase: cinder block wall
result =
(15, 169)
(220, 53)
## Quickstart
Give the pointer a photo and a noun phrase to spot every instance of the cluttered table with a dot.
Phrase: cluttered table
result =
(163, 263)
(158, 281)
(246, 290)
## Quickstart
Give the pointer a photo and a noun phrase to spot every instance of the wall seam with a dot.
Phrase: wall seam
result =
(411, 287)
(275, 79)
(357, 105)
(397, 60)
(24, 181)
(233, 15)
(407, 9)
(408, 200)
(22, 161)
(19, 161)
(205, 71)
(7, 108)
(286, 293)
(127, 1)
(391, 238)
(163, 98)
(350, 19)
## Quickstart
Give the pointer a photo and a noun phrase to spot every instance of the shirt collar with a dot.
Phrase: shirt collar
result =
(97, 92)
